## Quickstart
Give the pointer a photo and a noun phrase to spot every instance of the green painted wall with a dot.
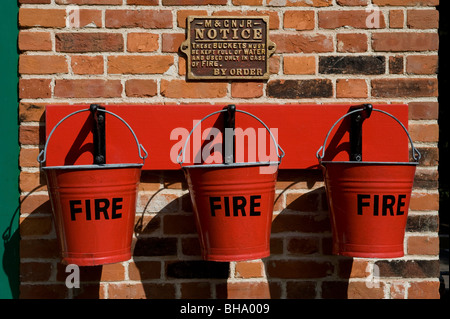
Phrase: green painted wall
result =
(9, 152)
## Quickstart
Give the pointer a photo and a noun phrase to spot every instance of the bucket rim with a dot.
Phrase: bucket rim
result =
(93, 166)
(232, 165)
(369, 163)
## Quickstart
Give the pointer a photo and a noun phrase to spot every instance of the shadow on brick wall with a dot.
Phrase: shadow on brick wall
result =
(167, 250)
(301, 264)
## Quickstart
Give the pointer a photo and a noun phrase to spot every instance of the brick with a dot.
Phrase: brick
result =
(423, 245)
(299, 65)
(368, 65)
(348, 18)
(294, 89)
(300, 223)
(405, 41)
(141, 88)
(423, 110)
(154, 246)
(144, 270)
(35, 271)
(422, 64)
(36, 226)
(190, 247)
(396, 19)
(274, 21)
(30, 135)
(299, 20)
(248, 269)
(334, 289)
(183, 14)
(34, 88)
(197, 269)
(82, 64)
(35, 204)
(423, 19)
(35, 1)
(353, 268)
(247, 2)
(88, 88)
(294, 3)
(424, 290)
(396, 64)
(34, 41)
(298, 269)
(424, 201)
(43, 291)
(143, 2)
(99, 2)
(426, 178)
(82, 42)
(303, 43)
(28, 156)
(46, 18)
(352, 2)
(361, 290)
(183, 89)
(171, 42)
(89, 19)
(303, 246)
(300, 290)
(179, 224)
(142, 42)
(111, 272)
(351, 42)
(248, 290)
(141, 291)
(39, 248)
(404, 87)
(422, 223)
(148, 225)
(30, 181)
(159, 203)
(405, 3)
(424, 132)
(135, 64)
(147, 19)
(247, 90)
(195, 290)
(42, 64)
(409, 268)
(351, 88)
(31, 112)
(193, 2)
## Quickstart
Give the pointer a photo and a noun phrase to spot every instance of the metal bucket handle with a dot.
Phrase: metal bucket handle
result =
(225, 110)
(415, 153)
(44, 151)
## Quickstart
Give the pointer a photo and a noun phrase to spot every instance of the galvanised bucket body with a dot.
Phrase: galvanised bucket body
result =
(94, 211)
(233, 208)
(368, 205)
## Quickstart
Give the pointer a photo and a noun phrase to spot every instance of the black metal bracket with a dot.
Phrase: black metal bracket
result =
(98, 131)
(356, 122)
(229, 140)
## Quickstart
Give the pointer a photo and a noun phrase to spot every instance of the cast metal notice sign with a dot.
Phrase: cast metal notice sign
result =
(227, 48)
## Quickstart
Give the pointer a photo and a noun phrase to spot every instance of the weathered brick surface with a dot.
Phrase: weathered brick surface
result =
(126, 52)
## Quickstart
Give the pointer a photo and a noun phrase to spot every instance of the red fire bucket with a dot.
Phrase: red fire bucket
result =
(368, 202)
(94, 207)
(233, 205)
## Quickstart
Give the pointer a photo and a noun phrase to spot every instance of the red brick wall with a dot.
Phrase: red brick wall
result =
(126, 51)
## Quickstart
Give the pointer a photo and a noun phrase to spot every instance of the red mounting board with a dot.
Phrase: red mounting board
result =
(162, 130)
